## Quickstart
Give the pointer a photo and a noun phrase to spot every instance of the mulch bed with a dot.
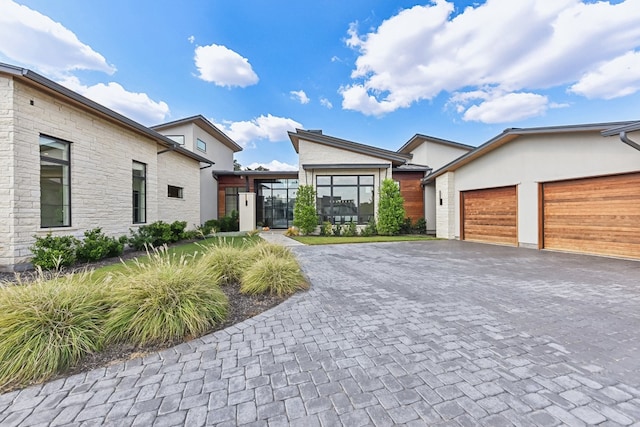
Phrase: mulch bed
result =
(241, 307)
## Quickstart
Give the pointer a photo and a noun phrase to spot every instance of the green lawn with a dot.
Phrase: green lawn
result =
(331, 240)
(185, 249)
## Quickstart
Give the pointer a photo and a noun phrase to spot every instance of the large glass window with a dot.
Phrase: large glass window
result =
(275, 202)
(139, 193)
(341, 199)
(231, 199)
(55, 192)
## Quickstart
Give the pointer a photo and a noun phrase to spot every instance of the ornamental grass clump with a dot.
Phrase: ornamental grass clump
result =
(166, 298)
(47, 326)
(274, 275)
(263, 249)
(226, 261)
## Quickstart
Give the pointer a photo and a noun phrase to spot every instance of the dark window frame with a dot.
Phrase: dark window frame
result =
(358, 186)
(175, 192)
(64, 163)
(136, 218)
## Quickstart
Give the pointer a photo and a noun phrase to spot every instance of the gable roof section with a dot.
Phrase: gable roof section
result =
(419, 138)
(205, 124)
(509, 135)
(34, 79)
(317, 137)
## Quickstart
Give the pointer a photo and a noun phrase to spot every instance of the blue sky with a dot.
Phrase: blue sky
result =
(371, 71)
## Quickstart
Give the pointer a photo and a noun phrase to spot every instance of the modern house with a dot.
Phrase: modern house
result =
(570, 188)
(69, 164)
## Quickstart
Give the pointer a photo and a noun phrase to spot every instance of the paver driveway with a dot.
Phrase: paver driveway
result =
(420, 333)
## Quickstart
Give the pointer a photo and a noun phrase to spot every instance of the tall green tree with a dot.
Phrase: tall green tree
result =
(304, 211)
(390, 208)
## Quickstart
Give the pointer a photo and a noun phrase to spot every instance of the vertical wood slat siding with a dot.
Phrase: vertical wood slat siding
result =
(490, 215)
(593, 215)
(412, 193)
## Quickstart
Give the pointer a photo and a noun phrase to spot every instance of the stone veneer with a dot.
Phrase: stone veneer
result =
(445, 213)
(102, 152)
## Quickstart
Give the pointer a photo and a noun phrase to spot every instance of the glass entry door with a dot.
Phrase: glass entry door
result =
(276, 199)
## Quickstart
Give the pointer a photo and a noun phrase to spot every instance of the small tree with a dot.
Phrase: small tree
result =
(304, 211)
(390, 208)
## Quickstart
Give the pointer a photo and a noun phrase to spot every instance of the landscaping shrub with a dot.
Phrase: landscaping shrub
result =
(406, 227)
(96, 246)
(48, 326)
(292, 231)
(391, 211)
(54, 252)
(369, 230)
(326, 229)
(337, 230)
(229, 223)
(157, 234)
(273, 275)
(350, 229)
(305, 216)
(178, 230)
(420, 226)
(226, 261)
(164, 299)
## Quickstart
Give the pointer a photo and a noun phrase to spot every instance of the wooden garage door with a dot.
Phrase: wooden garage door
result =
(593, 215)
(490, 215)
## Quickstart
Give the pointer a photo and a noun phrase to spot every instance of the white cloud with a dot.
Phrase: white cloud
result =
(271, 128)
(424, 51)
(300, 96)
(35, 40)
(508, 108)
(326, 103)
(613, 79)
(136, 106)
(274, 165)
(224, 67)
(191, 39)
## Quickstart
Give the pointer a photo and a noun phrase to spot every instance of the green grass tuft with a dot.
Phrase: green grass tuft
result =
(48, 326)
(165, 298)
(274, 275)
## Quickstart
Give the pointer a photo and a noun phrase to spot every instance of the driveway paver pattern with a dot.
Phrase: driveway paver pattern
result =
(415, 333)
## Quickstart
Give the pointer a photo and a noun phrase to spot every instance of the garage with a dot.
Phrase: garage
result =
(599, 215)
(490, 215)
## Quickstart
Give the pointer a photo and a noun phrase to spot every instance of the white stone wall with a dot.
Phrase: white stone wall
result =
(102, 153)
(445, 212)
(179, 171)
(7, 170)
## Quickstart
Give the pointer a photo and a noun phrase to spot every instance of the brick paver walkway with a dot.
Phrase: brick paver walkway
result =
(421, 333)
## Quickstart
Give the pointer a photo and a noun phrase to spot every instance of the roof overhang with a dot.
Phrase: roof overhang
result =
(55, 89)
(205, 124)
(346, 166)
(343, 144)
(419, 138)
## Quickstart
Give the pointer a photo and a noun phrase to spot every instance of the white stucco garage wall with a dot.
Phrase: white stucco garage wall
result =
(532, 159)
